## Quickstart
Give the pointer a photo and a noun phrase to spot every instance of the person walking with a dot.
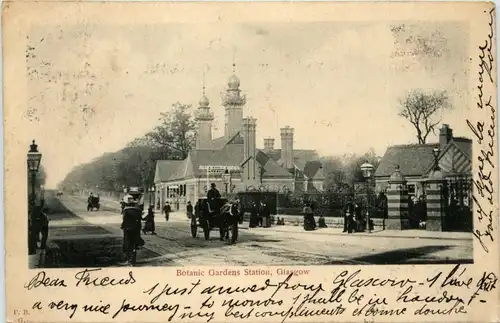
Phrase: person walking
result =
(189, 210)
(166, 210)
(149, 225)
(131, 226)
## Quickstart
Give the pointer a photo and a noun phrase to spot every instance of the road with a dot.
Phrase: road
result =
(93, 239)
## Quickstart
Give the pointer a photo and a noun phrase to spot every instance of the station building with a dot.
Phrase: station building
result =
(233, 162)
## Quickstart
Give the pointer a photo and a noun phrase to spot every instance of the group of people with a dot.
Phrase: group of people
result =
(260, 216)
(354, 219)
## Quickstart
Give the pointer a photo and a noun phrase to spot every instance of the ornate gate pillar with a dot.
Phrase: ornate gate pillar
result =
(397, 202)
(435, 201)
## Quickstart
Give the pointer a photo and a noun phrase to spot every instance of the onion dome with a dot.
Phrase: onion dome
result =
(234, 82)
(204, 102)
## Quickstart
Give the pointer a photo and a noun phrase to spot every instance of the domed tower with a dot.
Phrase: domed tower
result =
(233, 101)
(204, 118)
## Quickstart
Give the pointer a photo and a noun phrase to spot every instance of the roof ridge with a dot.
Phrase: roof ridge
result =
(414, 145)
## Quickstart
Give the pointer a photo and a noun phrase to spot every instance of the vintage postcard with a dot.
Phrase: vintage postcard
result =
(230, 162)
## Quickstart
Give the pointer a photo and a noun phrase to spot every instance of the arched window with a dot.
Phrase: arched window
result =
(185, 189)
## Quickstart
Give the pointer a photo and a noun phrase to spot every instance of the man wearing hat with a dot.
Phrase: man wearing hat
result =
(212, 195)
(131, 224)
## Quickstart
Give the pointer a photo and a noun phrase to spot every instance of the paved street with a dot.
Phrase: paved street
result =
(93, 239)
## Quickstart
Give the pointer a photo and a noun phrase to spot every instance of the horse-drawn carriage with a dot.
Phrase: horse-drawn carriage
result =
(218, 214)
(93, 203)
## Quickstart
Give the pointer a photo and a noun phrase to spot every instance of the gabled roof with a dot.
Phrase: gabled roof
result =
(218, 143)
(236, 139)
(314, 170)
(413, 160)
(230, 155)
(167, 170)
(300, 156)
(455, 157)
(464, 144)
(270, 167)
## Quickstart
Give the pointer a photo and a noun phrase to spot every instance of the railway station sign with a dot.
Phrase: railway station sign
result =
(216, 168)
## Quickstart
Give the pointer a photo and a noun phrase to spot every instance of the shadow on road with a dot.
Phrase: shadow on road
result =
(421, 255)
(93, 251)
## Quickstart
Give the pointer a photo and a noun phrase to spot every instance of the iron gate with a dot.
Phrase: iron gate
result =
(457, 200)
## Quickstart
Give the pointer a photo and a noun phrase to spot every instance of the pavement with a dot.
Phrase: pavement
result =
(378, 232)
(87, 239)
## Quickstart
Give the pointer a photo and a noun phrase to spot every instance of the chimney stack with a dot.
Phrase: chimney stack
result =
(445, 135)
(249, 130)
(287, 147)
(268, 144)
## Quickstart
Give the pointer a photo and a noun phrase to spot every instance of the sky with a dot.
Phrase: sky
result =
(94, 88)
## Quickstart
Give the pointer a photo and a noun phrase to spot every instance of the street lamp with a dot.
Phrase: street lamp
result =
(367, 170)
(227, 179)
(34, 158)
(151, 192)
(436, 153)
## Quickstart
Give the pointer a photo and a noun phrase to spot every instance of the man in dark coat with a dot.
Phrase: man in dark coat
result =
(253, 216)
(166, 210)
(131, 226)
(189, 210)
(44, 227)
(212, 195)
(264, 214)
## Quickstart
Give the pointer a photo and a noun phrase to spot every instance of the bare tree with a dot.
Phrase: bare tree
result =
(421, 110)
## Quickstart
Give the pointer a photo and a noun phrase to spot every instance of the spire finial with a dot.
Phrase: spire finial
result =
(234, 63)
(203, 81)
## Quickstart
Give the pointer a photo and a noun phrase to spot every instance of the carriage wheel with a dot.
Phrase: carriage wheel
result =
(194, 228)
(206, 230)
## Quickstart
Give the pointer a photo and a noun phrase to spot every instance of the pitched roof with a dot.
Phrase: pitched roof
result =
(465, 145)
(271, 167)
(230, 155)
(314, 170)
(218, 143)
(300, 156)
(413, 160)
(167, 170)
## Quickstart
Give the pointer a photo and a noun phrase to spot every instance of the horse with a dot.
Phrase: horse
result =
(223, 215)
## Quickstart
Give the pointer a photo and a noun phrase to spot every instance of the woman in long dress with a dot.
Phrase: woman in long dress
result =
(149, 225)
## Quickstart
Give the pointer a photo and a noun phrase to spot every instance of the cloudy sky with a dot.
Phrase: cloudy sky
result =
(94, 88)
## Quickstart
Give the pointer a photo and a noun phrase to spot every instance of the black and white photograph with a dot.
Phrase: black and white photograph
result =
(231, 144)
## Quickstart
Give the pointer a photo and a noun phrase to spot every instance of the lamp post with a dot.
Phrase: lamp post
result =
(151, 192)
(42, 196)
(227, 180)
(436, 151)
(34, 158)
(367, 170)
